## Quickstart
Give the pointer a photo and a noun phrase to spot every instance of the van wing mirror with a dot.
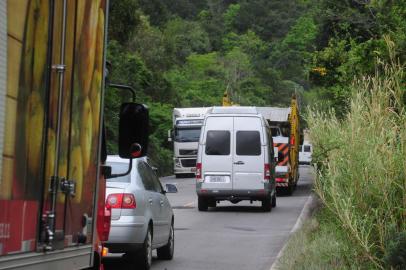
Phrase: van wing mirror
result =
(133, 130)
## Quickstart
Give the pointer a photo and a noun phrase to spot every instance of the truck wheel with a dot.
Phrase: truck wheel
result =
(202, 204)
(145, 254)
(266, 204)
(166, 252)
(178, 175)
(273, 201)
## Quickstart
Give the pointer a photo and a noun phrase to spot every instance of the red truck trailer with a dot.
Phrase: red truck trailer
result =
(52, 181)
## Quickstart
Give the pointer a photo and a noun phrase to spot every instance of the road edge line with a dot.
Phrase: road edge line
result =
(304, 215)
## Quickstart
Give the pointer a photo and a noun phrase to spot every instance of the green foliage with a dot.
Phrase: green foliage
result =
(183, 38)
(361, 166)
(123, 17)
(188, 52)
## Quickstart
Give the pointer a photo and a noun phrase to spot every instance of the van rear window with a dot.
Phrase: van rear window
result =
(307, 148)
(218, 142)
(248, 143)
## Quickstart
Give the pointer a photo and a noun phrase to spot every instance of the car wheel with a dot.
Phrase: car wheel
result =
(266, 204)
(145, 254)
(273, 201)
(178, 175)
(166, 252)
(202, 204)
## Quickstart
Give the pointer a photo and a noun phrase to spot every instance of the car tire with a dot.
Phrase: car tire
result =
(273, 200)
(266, 204)
(202, 204)
(144, 258)
(166, 252)
(178, 176)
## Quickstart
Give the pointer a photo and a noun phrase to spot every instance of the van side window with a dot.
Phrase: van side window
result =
(218, 142)
(307, 148)
(248, 143)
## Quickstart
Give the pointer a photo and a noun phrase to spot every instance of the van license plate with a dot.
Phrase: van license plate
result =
(217, 179)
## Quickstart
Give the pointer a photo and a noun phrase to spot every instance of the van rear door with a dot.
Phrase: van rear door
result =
(217, 153)
(248, 157)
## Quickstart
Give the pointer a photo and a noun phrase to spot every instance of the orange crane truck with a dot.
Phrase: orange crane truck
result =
(287, 137)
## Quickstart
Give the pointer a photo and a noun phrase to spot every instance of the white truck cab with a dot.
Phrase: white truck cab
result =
(235, 158)
(187, 123)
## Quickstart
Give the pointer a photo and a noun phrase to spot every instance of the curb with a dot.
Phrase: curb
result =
(304, 215)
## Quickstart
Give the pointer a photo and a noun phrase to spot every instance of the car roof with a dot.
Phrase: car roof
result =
(117, 158)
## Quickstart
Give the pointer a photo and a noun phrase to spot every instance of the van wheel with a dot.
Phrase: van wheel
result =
(212, 203)
(266, 204)
(166, 252)
(202, 204)
(273, 201)
(145, 254)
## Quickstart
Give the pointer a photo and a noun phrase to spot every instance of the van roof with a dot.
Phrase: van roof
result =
(234, 110)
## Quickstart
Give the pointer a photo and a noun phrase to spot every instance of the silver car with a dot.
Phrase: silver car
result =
(141, 216)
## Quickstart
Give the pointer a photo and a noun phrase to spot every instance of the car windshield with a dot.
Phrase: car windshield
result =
(187, 134)
(119, 167)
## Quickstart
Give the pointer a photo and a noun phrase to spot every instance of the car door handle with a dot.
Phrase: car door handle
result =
(239, 163)
(150, 200)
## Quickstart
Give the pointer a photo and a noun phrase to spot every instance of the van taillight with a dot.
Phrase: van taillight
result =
(121, 200)
(267, 172)
(199, 171)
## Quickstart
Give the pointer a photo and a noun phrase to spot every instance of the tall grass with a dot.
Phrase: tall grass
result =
(361, 163)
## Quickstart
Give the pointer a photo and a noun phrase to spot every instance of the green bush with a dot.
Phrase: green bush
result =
(362, 169)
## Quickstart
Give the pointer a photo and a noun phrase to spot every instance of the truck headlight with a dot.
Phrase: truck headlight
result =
(177, 163)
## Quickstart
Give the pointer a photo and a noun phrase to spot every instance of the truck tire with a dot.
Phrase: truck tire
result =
(178, 175)
(144, 258)
(266, 204)
(166, 252)
(202, 204)
(273, 200)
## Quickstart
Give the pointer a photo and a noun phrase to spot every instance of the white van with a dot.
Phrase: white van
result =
(235, 158)
(305, 154)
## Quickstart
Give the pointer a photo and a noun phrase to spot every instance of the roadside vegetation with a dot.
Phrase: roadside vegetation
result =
(188, 52)
(361, 180)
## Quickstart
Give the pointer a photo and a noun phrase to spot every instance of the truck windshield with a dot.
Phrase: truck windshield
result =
(187, 134)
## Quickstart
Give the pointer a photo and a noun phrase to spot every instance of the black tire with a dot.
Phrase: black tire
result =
(178, 175)
(202, 204)
(289, 189)
(144, 258)
(273, 200)
(166, 252)
(212, 203)
(266, 204)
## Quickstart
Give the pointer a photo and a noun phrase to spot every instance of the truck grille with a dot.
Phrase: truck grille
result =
(188, 162)
(188, 152)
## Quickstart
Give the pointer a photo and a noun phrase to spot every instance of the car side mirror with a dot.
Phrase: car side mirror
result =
(133, 130)
(171, 188)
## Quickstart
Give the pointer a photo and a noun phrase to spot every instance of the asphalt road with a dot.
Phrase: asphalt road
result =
(230, 236)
